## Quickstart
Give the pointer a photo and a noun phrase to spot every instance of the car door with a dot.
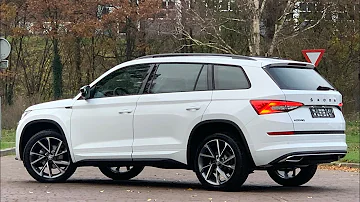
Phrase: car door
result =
(174, 101)
(102, 126)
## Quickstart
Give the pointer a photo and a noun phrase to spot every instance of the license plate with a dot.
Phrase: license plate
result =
(322, 112)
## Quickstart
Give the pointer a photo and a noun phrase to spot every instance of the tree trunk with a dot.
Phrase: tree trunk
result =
(254, 39)
(78, 62)
(129, 40)
(57, 71)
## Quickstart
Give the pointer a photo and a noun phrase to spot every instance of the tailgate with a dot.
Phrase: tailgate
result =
(321, 112)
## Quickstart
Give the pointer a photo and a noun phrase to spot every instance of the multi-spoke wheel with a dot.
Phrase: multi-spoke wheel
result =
(121, 172)
(293, 176)
(220, 164)
(47, 158)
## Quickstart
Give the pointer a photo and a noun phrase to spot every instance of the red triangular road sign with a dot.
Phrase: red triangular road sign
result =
(313, 56)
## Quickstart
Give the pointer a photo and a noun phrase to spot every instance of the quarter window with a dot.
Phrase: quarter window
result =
(124, 81)
(230, 78)
(178, 78)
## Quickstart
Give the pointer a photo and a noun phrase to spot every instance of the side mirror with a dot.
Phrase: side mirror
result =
(85, 92)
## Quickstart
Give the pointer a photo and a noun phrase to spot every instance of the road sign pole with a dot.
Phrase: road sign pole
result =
(5, 49)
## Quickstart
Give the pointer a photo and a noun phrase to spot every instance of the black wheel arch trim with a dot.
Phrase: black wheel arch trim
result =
(36, 122)
(242, 137)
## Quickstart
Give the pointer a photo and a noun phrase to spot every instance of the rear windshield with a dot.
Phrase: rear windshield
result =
(292, 78)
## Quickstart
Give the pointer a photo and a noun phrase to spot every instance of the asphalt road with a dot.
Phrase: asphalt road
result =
(88, 184)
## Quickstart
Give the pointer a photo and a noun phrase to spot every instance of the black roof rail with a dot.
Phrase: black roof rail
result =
(196, 54)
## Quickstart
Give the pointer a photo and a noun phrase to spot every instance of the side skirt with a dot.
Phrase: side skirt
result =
(158, 163)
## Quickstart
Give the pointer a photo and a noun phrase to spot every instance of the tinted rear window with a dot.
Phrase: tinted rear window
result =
(291, 78)
(230, 78)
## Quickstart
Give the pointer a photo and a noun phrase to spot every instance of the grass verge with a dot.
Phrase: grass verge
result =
(353, 142)
(7, 139)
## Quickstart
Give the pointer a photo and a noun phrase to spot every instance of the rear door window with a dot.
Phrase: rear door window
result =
(292, 78)
(178, 77)
(230, 78)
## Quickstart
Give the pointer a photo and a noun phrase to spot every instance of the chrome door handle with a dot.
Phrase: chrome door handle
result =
(125, 111)
(193, 108)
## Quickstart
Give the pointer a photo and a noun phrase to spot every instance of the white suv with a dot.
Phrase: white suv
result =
(222, 116)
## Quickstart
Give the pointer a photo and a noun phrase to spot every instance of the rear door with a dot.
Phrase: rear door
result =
(174, 101)
(321, 111)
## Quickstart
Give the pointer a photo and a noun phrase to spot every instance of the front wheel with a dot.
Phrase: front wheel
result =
(47, 157)
(220, 164)
(293, 176)
(121, 172)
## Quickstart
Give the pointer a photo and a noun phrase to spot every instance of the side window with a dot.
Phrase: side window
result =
(230, 77)
(125, 81)
(176, 78)
(201, 83)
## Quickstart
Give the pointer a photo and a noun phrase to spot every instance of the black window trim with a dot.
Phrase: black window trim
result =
(149, 73)
(156, 66)
(213, 77)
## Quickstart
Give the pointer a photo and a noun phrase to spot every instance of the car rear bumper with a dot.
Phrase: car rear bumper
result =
(307, 158)
(301, 150)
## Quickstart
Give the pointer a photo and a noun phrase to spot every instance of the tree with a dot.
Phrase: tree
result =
(49, 17)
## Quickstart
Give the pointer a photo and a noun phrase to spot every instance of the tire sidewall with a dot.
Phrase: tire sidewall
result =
(136, 170)
(240, 174)
(26, 157)
(304, 176)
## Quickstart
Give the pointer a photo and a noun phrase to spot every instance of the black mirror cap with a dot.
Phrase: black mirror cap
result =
(85, 92)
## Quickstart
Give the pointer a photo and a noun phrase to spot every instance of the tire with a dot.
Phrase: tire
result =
(303, 176)
(116, 173)
(226, 171)
(48, 165)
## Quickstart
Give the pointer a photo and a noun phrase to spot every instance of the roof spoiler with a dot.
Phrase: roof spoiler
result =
(292, 64)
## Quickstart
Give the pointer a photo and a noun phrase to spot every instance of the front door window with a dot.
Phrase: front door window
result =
(124, 81)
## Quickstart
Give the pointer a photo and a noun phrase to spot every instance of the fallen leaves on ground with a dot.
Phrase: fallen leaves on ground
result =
(336, 167)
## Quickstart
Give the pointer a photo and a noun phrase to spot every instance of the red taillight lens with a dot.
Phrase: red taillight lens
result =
(274, 106)
(340, 105)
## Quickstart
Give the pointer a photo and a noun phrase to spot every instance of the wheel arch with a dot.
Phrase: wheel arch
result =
(208, 124)
(35, 126)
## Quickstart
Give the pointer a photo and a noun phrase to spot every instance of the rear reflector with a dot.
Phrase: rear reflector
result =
(274, 106)
(282, 133)
(340, 105)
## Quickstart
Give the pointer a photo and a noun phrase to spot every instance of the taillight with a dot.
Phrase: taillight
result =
(274, 106)
(340, 105)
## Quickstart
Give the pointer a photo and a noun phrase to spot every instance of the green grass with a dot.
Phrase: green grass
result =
(7, 139)
(353, 142)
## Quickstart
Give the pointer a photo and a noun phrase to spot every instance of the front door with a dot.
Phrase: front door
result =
(102, 126)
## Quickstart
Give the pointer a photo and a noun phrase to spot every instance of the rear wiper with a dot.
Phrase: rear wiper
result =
(324, 88)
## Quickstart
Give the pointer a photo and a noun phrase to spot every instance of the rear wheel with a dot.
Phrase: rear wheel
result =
(220, 164)
(47, 157)
(121, 172)
(293, 176)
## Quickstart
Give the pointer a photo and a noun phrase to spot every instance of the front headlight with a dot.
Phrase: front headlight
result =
(25, 113)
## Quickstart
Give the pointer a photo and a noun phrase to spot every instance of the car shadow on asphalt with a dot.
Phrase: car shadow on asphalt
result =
(197, 186)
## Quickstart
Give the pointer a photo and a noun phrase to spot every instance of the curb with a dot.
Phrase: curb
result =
(341, 164)
(7, 152)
